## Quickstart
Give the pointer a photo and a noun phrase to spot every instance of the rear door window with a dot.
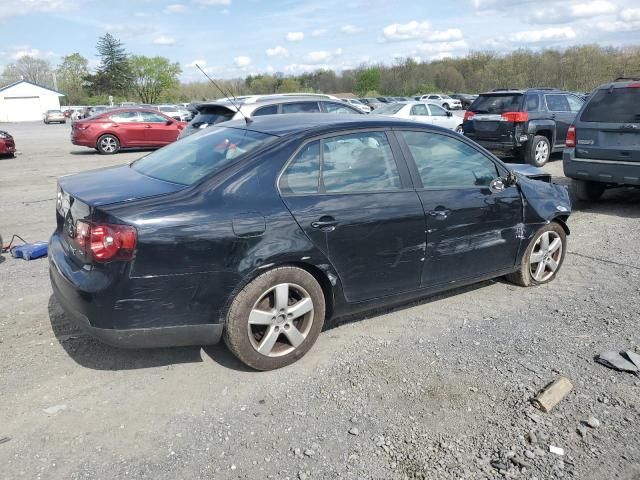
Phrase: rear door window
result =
(150, 117)
(420, 110)
(301, 107)
(337, 108)
(557, 103)
(303, 173)
(575, 104)
(437, 111)
(268, 110)
(615, 105)
(497, 104)
(126, 117)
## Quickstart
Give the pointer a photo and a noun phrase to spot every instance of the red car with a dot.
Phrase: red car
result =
(7, 145)
(112, 130)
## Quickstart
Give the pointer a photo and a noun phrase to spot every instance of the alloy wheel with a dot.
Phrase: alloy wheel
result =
(108, 144)
(545, 256)
(280, 320)
(542, 152)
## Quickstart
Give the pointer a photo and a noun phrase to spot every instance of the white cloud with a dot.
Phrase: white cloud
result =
(432, 48)
(319, 32)
(592, 9)
(164, 40)
(200, 61)
(212, 2)
(20, 51)
(12, 8)
(545, 35)
(349, 29)
(277, 51)
(630, 15)
(295, 36)
(175, 8)
(321, 56)
(414, 30)
(242, 61)
(298, 68)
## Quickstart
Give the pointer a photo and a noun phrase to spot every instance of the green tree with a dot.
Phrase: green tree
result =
(367, 80)
(114, 75)
(31, 69)
(154, 77)
(71, 78)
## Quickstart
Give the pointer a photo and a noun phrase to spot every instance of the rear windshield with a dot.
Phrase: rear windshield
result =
(211, 116)
(615, 105)
(194, 157)
(389, 109)
(508, 102)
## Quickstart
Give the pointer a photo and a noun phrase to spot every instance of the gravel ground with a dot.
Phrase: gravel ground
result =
(435, 389)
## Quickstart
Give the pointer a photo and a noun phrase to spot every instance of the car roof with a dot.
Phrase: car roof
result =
(620, 83)
(317, 123)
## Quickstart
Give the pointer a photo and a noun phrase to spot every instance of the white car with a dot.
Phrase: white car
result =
(422, 112)
(444, 101)
(358, 104)
(174, 112)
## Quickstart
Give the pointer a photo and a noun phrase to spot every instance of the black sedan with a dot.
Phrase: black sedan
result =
(258, 233)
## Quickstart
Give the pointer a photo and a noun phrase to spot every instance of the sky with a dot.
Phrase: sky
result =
(235, 38)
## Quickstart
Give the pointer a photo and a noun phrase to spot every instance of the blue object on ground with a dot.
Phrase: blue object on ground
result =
(30, 251)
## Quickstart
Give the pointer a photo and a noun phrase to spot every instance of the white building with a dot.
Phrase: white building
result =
(24, 101)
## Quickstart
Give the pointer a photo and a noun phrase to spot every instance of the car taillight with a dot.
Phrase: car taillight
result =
(634, 85)
(515, 117)
(468, 115)
(81, 126)
(105, 242)
(571, 137)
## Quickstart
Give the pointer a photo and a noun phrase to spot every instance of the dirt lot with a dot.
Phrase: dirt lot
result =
(437, 389)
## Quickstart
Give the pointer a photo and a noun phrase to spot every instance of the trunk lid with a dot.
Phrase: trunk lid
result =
(609, 126)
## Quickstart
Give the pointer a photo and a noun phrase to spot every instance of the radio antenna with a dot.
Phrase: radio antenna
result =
(247, 120)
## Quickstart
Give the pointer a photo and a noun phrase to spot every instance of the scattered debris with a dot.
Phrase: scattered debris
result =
(4, 440)
(354, 431)
(593, 422)
(552, 394)
(556, 450)
(616, 361)
(633, 358)
(55, 409)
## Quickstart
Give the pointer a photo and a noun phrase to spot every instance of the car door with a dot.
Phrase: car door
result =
(419, 113)
(471, 231)
(353, 198)
(440, 117)
(560, 110)
(159, 129)
(129, 128)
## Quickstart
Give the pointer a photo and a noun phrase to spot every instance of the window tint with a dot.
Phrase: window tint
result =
(269, 110)
(557, 103)
(125, 117)
(532, 103)
(575, 104)
(496, 104)
(359, 162)
(196, 156)
(389, 109)
(437, 111)
(420, 110)
(615, 105)
(151, 117)
(301, 107)
(337, 108)
(448, 162)
(303, 172)
(433, 97)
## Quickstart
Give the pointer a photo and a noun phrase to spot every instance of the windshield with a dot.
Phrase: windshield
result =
(191, 159)
(615, 105)
(389, 109)
(497, 104)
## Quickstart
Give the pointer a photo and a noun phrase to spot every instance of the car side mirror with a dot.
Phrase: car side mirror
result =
(497, 185)
(170, 122)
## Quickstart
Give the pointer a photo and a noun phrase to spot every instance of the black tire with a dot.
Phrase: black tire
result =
(587, 191)
(108, 144)
(531, 151)
(237, 329)
(445, 106)
(523, 275)
(459, 129)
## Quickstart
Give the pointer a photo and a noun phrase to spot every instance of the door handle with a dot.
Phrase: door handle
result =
(147, 126)
(328, 224)
(440, 214)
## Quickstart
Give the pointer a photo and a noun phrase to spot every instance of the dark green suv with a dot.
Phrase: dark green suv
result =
(603, 146)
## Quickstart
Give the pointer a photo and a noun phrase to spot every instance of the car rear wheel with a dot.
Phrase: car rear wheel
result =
(275, 319)
(543, 258)
(459, 129)
(538, 151)
(108, 144)
(587, 191)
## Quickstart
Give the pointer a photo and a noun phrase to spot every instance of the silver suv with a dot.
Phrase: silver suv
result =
(212, 113)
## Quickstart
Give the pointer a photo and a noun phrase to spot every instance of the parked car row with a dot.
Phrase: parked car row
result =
(422, 112)
(454, 101)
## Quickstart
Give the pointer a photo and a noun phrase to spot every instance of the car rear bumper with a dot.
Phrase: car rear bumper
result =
(88, 306)
(7, 147)
(501, 148)
(603, 171)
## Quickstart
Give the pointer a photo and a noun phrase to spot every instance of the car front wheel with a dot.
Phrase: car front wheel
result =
(108, 144)
(543, 258)
(275, 319)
